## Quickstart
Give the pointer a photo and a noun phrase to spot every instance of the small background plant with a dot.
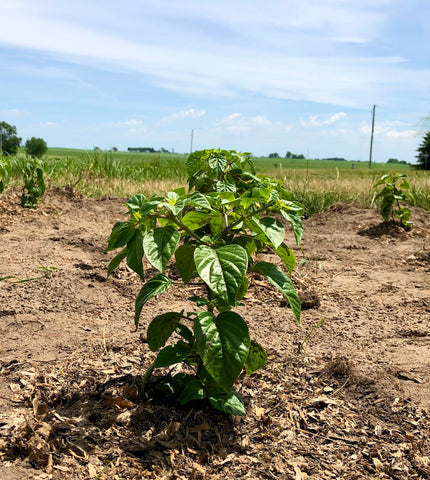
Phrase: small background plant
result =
(393, 192)
(213, 233)
(34, 184)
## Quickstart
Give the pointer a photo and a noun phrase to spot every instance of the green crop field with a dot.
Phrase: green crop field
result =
(315, 183)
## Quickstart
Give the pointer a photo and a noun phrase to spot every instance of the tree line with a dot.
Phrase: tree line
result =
(10, 142)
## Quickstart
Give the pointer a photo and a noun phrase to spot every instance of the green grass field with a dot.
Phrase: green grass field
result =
(315, 183)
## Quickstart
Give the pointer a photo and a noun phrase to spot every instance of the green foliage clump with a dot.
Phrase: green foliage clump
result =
(4, 174)
(9, 141)
(393, 194)
(213, 233)
(36, 147)
(34, 184)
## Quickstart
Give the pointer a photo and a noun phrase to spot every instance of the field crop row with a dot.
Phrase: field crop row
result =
(317, 184)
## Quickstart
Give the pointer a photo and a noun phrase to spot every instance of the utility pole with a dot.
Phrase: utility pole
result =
(191, 142)
(371, 137)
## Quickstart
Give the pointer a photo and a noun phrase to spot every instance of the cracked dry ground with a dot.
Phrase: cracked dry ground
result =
(353, 405)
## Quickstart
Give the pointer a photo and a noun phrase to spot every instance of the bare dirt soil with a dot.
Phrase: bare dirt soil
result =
(353, 404)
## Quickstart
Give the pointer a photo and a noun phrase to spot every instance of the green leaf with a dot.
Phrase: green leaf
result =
(120, 235)
(232, 403)
(196, 199)
(222, 269)
(136, 202)
(135, 253)
(160, 329)
(287, 256)
(116, 260)
(157, 285)
(184, 256)
(159, 245)
(225, 187)
(296, 224)
(174, 203)
(193, 390)
(282, 282)
(271, 227)
(217, 162)
(223, 344)
(185, 332)
(195, 220)
(172, 354)
(257, 358)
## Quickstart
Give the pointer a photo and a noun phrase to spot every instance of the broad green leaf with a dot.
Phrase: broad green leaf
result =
(232, 403)
(116, 260)
(282, 282)
(257, 358)
(223, 344)
(159, 245)
(195, 220)
(160, 329)
(136, 202)
(242, 290)
(172, 354)
(155, 286)
(296, 224)
(135, 253)
(222, 269)
(216, 224)
(184, 256)
(217, 163)
(180, 191)
(225, 187)
(173, 203)
(196, 199)
(193, 390)
(185, 332)
(287, 256)
(271, 227)
(120, 235)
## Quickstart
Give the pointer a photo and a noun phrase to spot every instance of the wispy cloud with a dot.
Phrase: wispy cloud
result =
(298, 61)
(183, 115)
(314, 120)
(387, 130)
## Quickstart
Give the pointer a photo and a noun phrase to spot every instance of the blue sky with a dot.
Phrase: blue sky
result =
(252, 75)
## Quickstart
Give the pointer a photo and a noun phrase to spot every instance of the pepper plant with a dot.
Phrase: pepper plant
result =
(393, 191)
(34, 183)
(212, 234)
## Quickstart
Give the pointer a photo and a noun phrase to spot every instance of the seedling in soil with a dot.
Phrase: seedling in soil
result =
(393, 194)
(34, 184)
(212, 234)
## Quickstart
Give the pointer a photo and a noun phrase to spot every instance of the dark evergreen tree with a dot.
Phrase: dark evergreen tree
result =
(424, 153)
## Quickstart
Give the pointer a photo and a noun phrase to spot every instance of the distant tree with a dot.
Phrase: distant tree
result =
(424, 153)
(114, 149)
(9, 141)
(36, 147)
(393, 160)
(273, 155)
(96, 149)
(288, 155)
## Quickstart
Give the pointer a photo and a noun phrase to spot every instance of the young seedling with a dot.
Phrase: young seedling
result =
(393, 194)
(212, 234)
(34, 184)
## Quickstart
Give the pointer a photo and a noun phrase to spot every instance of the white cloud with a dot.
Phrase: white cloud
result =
(182, 115)
(386, 130)
(237, 123)
(284, 50)
(48, 124)
(315, 122)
